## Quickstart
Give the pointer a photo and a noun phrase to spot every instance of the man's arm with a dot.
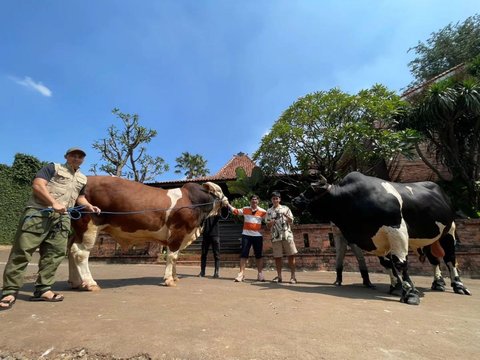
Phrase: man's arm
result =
(82, 200)
(40, 190)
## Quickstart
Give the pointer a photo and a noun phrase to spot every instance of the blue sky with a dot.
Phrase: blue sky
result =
(210, 76)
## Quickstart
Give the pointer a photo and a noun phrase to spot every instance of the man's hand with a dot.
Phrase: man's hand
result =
(94, 209)
(59, 208)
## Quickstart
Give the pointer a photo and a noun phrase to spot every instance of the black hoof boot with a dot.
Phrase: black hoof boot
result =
(396, 290)
(438, 284)
(459, 288)
(410, 296)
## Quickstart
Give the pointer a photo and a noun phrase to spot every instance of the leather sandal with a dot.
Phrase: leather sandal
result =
(9, 303)
(55, 298)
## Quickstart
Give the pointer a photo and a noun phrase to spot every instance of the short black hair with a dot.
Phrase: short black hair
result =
(276, 194)
(254, 196)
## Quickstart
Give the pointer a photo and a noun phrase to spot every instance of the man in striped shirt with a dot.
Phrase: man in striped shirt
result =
(251, 236)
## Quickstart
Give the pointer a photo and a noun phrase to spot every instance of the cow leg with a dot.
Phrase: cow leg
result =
(171, 268)
(79, 272)
(410, 294)
(438, 283)
(448, 244)
(395, 282)
(340, 251)
(398, 240)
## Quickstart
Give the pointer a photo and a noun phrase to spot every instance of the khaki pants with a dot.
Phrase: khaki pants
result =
(46, 231)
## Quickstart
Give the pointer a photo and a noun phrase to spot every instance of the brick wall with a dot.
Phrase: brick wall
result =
(316, 251)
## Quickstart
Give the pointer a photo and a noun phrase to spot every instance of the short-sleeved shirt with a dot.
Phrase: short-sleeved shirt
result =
(252, 220)
(281, 229)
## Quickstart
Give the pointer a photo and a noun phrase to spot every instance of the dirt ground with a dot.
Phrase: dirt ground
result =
(132, 317)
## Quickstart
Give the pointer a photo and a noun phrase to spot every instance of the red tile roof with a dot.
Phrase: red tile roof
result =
(227, 172)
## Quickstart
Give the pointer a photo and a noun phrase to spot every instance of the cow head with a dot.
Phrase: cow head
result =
(217, 192)
(315, 191)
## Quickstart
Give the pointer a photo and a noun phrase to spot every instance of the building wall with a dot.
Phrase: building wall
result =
(316, 251)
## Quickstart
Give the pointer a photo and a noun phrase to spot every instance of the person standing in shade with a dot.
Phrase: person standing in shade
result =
(251, 236)
(279, 220)
(211, 237)
(45, 225)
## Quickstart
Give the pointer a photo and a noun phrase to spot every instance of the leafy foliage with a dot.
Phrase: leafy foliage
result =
(121, 152)
(336, 133)
(447, 114)
(247, 185)
(15, 185)
(192, 165)
(450, 46)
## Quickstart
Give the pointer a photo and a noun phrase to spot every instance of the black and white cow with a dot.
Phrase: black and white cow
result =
(386, 219)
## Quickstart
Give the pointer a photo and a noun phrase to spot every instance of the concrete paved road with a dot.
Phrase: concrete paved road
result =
(205, 318)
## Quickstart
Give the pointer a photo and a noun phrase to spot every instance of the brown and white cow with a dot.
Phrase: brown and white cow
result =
(134, 213)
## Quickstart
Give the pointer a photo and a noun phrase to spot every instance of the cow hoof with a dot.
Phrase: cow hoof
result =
(459, 288)
(93, 288)
(396, 290)
(89, 287)
(410, 297)
(438, 284)
(337, 283)
(169, 282)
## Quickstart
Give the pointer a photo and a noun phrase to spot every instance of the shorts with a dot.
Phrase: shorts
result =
(249, 241)
(283, 247)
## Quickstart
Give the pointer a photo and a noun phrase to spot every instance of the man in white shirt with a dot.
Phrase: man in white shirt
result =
(279, 219)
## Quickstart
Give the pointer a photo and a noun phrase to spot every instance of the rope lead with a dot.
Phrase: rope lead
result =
(76, 212)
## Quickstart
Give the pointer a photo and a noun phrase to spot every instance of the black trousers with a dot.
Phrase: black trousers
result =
(208, 241)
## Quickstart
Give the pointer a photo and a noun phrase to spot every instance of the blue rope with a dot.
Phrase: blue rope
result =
(76, 212)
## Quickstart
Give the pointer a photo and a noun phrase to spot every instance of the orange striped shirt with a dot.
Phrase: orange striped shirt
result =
(252, 220)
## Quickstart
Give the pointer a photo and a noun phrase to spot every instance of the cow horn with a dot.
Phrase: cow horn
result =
(322, 179)
(321, 183)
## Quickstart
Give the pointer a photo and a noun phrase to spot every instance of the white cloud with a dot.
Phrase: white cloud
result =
(28, 82)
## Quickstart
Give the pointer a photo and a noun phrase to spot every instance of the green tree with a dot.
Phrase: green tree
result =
(447, 114)
(450, 46)
(192, 165)
(123, 154)
(247, 186)
(336, 133)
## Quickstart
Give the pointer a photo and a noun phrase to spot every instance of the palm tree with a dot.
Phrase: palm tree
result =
(191, 165)
(448, 116)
